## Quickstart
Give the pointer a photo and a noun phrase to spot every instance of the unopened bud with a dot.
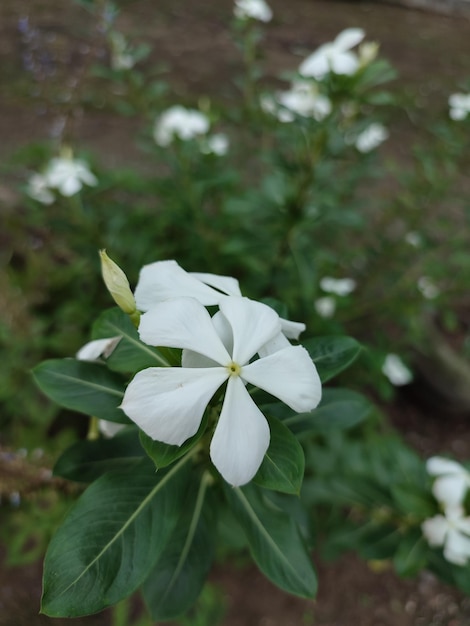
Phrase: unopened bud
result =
(368, 52)
(117, 284)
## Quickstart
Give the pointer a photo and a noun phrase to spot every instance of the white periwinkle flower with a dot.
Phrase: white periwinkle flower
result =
(177, 121)
(68, 175)
(217, 144)
(304, 99)
(338, 286)
(452, 531)
(38, 188)
(253, 9)
(168, 403)
(371, 137)
(325, 306)
(428, 288)
(335, 56)
(396, 371)
(452, 480)
(459, 106)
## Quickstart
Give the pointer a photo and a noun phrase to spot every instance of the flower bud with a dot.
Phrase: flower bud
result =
(117, 284)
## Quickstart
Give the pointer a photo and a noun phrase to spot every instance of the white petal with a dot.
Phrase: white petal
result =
(226, 284)
(166, 279)
(289, 375)
(279, 342)
(168, 403)
(241, 436)
(224, 331)
(291, 329)
(253, 324)
(183, 323)
(109, 429)
(93, 350)
(450, 490)
(439, 466)
(316, 65)
(349, 38)
(344, 63)
(457, 547)
(435, 530)
(70, 186)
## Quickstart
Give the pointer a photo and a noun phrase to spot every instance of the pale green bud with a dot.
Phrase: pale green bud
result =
(117, 284)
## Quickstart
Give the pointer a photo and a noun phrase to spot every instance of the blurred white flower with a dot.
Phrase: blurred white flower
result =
(338, 286)
(177, 121)
(325, 307)
(396, 371)
(68, 175)
(335, 56)
(452, 480)
(168, 403)
(217, 144)
(304, 99)
(371, 137)
(459, 105)
(38, 189)
(121, 55)
(428, 288)
(452, 531)
(254, 9)
(414, 239)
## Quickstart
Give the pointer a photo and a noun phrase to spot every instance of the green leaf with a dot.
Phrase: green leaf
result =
(130, 355)
(283, 466)
(338, 409)
(112, 538)
(411, 555)
(180, 572)
(162, 454)
(81, 386)
(85, 461)
(332, 354)
(274, 541)
(410, 499)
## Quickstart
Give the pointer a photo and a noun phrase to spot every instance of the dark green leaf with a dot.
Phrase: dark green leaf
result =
(112, 538)
(410, 499)
(84, 387)
(332, 354)
(274, 540)
(411, 556)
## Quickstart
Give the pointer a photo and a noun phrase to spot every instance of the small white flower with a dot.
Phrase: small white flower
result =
(452, 480)
(396, 371)
(94, 350)
(215, 144)
(68, 175)
(38, 189)
(177, 121)
(168, 403)
(428, 288)
(452, 531)
(338, 286)
(371, 137)
(325, 307)
(335, 56)
(121, 56)
(253, 9)
(414, 239)
(459, 106)
(302, 99)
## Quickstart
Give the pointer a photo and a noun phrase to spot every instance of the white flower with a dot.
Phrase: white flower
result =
(168, 403)
(94, 350)
(254, 9)
(414, 239)
(371, 137)
(428, 288)
(68, 175)
(452, 531)
(452, 480)
(302, 99)
(177, 121)
(338, 286)
(166, 279)
(121, 56)
(396, 371)
(459, 106)
(215, 144)
(325, 307)
(38, 189)
(335, 56)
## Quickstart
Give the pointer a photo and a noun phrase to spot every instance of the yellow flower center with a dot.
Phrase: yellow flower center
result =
(234, 369)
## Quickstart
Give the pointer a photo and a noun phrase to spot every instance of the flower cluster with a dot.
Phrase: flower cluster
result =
(64, 174)
(459, 106)
(451, 530)
(396, 371)
(325, 306)
(188, 124)
(243, 343)
(253, 9)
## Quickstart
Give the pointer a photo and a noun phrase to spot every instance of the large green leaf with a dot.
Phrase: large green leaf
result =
(130, 355)
(332, 354)
(85, 387)
(283, 466)
(85, 461)
(338, 409)
(274, 540)
(180, 572)
(112, 538)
